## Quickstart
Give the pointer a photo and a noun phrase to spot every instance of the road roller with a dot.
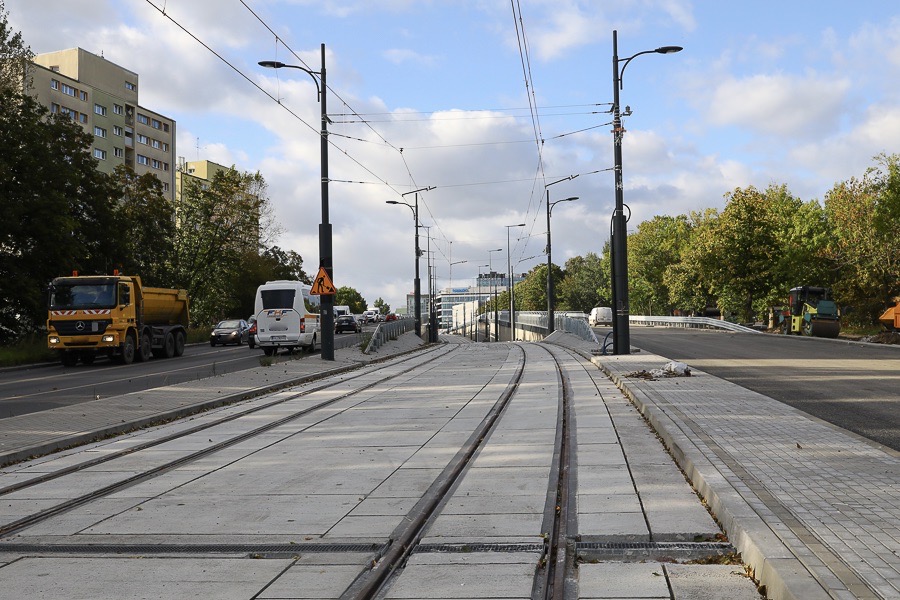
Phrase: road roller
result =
(811, 312)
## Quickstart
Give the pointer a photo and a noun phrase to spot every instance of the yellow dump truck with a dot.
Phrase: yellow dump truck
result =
(891, 318)
(115, 316)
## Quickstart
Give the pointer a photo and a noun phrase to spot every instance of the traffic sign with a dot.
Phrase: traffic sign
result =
(322, 285)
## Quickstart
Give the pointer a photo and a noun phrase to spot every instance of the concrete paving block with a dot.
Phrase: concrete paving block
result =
(363, 527)
(406, 483)
(604, 480)
(599, 454)
(81, 517)
(595, 435)
(463, 581)
(608, 503)
(388, 507)
(312, 582)
(484, 526)
(613, 527)
(474, 558)
(519, 455)
(461, 504)
(128, 578)
(499, 481)
(622, 580)
(711, 582)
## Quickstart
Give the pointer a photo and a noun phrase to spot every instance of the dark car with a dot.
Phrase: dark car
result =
(390, 317)
(251, 336)
(347, 323)
(232, 331)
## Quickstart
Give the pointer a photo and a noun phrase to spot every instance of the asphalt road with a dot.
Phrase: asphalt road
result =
(854, 386)
(44, 387)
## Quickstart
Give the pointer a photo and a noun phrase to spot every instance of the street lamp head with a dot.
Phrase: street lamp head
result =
(569, 199)
(668, 49)
(271, 64)
(391, 202)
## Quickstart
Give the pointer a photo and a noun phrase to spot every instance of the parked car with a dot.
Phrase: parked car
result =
(390, 317)
(251, 335)
(371, 316)
(347, 323)
(232, 331)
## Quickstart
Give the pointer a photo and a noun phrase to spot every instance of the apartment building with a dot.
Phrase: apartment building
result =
(103, 98)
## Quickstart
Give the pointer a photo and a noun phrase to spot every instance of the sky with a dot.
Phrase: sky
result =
(492, 104)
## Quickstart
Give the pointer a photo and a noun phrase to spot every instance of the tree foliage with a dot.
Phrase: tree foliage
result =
(382, 306)
(347, 296)
(15, 57)
(586, 283)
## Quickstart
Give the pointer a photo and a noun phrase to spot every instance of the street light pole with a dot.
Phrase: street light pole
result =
(550, 205)
(512, 300)
(619, 245)
(325, 246)
(417, 285)
(494, 295)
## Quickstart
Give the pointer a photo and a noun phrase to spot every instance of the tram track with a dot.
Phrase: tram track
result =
(35, 518)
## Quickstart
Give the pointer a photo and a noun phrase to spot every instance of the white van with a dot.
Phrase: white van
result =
(600, 315)
(285, 317)
(341, 310)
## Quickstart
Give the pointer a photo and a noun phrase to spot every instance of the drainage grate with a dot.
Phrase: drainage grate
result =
(463, 548)
(627, 551)
(186, 548)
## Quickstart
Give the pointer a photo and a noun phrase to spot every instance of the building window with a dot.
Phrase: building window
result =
(156, 144)
(156, 164)
(67, 89)
(82, 117)
(143, 160)
(118, 130)
(143, 119)
(156, 124)
(165, 147)
(119, 152)
(54, 84)
(83, 95)
(165, 166)
(118, 109)
(54, 108)
(100, 110)
(130, 86)
(99, 132)
(165, 187)
(99, 154)
(143, 139)
(55, 68)
(68, 112)
(166, 127)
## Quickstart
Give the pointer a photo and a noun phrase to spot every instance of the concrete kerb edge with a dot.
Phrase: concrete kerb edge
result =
(160, 418)
(783, 575)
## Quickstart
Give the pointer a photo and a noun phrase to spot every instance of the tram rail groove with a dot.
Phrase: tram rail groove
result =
(40, 516)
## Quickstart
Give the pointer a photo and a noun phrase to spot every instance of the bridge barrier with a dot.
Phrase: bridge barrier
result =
(388, 330)
(691, 322)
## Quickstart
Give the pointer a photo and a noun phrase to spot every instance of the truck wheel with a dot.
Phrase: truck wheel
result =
(69, 359)
(179, 343)
(251, 341)
(128, 350)
(145, 349)
(169, 346)
(87, 357)
(268, 351)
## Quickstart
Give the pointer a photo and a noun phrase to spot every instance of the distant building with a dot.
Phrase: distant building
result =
(103, 98)
(486, 285)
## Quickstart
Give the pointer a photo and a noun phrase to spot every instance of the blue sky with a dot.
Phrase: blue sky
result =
(802, 93)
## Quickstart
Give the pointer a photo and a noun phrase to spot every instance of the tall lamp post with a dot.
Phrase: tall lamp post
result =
(325, 253)
(512, 300)
(417, 285)
(550, 205)
(621, 335)
(480, 281)
(494, 294)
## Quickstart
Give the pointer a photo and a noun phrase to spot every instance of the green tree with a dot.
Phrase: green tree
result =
(652, 250)
(218, 226)
(286, 264)
(347, 296)
(58, 209)
(686, 281)
(147, 222)
(864, 218)
(586, 283)
(382, 306)
(15, 57)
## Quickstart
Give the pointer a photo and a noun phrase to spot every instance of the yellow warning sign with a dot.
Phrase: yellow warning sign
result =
(322, 285)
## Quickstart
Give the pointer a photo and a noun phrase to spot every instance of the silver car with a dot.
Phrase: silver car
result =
(231, 331)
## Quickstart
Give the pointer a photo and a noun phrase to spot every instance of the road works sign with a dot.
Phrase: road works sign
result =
(322, 285)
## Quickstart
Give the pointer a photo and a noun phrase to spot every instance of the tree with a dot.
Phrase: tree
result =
(219, 224)
(656, 246)
(286, 264)
(347, 296)
(382, 306)
(586, 282)
(864, 218)
(147, 222)
(58, 210)
(15, 57)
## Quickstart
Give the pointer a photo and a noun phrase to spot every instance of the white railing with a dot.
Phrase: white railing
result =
(389, 330)
(695, 322)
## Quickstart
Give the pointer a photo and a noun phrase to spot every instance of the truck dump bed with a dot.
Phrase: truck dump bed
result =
(164, 306)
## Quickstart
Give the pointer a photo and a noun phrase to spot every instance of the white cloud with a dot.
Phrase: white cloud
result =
(403, 55)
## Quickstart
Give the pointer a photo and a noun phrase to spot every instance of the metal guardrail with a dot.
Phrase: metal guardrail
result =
(388, 331)
(691, 322)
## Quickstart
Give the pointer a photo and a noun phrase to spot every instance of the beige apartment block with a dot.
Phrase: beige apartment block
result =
(103, 97)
